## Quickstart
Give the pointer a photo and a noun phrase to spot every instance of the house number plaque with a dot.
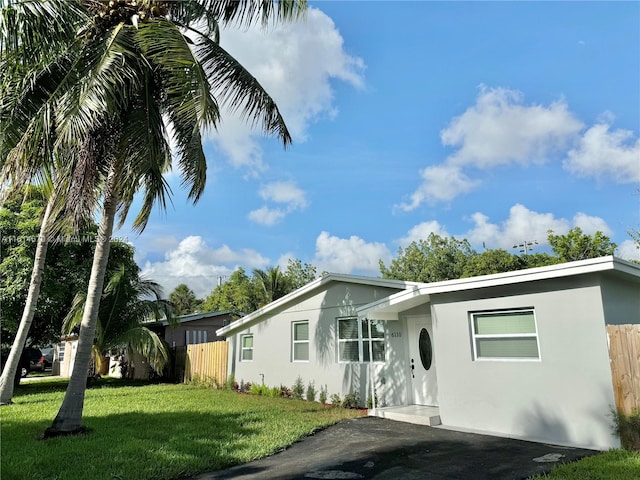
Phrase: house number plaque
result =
(396, 334)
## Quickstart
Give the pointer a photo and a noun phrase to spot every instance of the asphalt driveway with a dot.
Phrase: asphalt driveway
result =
(376, 448)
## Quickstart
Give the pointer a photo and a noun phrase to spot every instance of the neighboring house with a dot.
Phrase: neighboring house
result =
(522, 354)
(190, 329)
(64, 356)
(194, 328)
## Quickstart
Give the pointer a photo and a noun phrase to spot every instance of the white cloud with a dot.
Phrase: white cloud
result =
(422, 232)
(441, 183)
(196, 264)
(527, 225)
(499, 129)
(349, 255)
(591, 225)
(628, 250)
(284, 193)
(267, 216)
(602, 154)
(295, 63)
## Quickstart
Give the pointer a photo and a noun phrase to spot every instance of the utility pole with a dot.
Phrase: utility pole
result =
(526, 246)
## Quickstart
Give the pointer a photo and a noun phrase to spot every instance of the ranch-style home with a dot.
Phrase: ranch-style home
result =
(522, 354)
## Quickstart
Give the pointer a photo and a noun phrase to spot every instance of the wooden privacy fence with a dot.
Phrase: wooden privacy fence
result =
(624, 353)
(207, 360)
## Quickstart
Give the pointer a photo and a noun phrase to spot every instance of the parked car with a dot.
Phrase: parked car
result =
(32, 360)
(47, 353)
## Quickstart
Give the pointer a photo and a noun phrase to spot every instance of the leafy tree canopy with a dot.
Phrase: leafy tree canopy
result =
(66, 272)
(438, 258)
(576, 245)
(184, 301)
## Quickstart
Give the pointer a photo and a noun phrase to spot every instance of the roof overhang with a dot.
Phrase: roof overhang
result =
(388, 308)
(262, 313)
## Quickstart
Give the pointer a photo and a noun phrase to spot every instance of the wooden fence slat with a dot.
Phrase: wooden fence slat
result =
(208, 361)
(624, 353)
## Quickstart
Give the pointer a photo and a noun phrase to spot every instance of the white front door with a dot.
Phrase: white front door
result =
(424, 384)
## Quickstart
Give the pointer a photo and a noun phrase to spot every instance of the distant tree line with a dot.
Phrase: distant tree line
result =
(438, 258)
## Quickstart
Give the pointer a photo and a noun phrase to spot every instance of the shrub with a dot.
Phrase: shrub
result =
(259, 390)
(311, 392)
(351, 400)
(244, 387)
(274, 392)
(335, 400)
(627, 428)
(323, 394)
(231, 383)
(298, 389)
(285, 392)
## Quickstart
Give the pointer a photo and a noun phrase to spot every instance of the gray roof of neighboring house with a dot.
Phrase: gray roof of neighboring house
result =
(191, 317)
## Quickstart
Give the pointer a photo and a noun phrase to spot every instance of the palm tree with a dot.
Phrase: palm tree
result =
(272, 284)
(7, 382)
(116, 80)
(127, 302)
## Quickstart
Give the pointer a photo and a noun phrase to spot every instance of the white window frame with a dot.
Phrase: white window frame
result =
(295, 342)
(243, 348)
(476, 336)
(361, 340)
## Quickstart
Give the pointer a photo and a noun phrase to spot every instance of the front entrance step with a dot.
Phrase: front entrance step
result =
(417, 414)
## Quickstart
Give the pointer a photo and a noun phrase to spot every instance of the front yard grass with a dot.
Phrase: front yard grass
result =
(611, 465)
(150, 431)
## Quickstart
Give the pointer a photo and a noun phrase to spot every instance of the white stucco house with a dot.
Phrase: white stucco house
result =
(522, 354)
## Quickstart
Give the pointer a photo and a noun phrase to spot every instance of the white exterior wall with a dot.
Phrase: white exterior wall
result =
(564, 398)
(272, 350)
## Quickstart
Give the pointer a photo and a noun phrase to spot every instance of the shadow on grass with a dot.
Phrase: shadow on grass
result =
(133, 445)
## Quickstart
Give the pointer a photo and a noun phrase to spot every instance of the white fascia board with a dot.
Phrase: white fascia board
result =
(414, 296)
(255, 317)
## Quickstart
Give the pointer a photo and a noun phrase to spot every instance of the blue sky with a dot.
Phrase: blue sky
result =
(491, 121)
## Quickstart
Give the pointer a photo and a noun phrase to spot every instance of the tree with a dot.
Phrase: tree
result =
(110, 79)
(298, 274)
(576, 245)
(238, 294)
(492, 261)
(127, 302)
(184, 300)
(65, 273)
(272, 284)
(430, 260)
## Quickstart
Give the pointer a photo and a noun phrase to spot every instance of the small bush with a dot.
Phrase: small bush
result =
(627, 428)
(274, 392)
(323, 394)
(298, 389)
(231, 383)
(245, 387)
(335, 400)
(351, 400)
(311, 392)
(260, 390)
(285, 392)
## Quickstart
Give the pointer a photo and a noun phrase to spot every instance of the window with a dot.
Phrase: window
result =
(300, 337)
(509, 335)
(61, 348)
(195, 336)
(246, 347)
(354, 341)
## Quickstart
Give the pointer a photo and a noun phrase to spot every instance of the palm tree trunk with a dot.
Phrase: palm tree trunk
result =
(69, 417)
(11, 367)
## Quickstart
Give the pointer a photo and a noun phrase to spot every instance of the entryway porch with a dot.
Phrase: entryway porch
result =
(416, 414)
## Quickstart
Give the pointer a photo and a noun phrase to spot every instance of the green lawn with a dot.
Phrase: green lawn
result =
(612, 465)
(150, 431)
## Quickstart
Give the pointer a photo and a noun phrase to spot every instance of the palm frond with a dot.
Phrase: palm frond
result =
(248, 12)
